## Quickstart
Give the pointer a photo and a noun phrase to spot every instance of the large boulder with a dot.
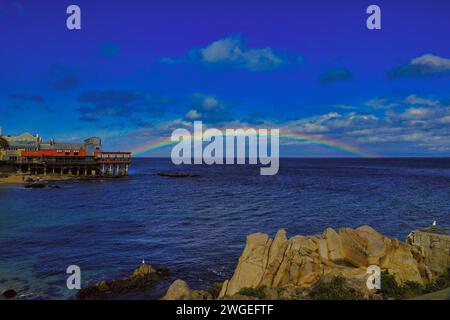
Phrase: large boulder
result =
(299, 262)
(178, 290)
(376, 244)
(252, 264)
(400, 262)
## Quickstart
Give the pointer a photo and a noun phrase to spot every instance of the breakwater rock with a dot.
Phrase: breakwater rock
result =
(141, 279)
(177, 174)
(290, 265)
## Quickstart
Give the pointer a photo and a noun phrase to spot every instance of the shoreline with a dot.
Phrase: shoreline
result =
(14, 179)
(22, 178)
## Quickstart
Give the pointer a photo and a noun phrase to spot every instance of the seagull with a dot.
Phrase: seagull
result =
(143, 261)
(434, 223)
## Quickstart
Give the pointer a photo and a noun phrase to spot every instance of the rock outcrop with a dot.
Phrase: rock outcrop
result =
(432, 252)
(299, 262)
(179, 290)
(141, 278)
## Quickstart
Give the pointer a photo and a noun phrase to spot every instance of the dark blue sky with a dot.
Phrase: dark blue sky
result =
(139, 69)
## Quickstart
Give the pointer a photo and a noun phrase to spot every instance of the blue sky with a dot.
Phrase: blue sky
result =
(139, 69)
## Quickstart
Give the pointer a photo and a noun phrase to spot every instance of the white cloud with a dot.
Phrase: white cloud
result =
(193, 114)
(210, 102)
(333, 122)
(415, 100)
(432, 62)
(209, 108)
(415, 113)
(222, 50)
(444, 119)
(423, 66)
(207, 102)
(233, 51)
(380, 103)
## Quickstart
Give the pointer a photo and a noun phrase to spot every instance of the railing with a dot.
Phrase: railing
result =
(79, 160)
(113, 160)
(57, 161)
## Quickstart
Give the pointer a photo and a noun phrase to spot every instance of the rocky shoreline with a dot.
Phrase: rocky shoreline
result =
(142, 278)
(332, 265)
(26, 178)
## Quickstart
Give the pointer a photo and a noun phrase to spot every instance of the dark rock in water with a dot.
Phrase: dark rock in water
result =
(9, 294)
(35, 185)
(177, 174)
(141, 279)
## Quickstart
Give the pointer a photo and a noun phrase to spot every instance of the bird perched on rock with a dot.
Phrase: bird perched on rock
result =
(434, 223)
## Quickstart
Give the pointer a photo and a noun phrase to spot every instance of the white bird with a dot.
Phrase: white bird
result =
(143, 261)
(434, 223)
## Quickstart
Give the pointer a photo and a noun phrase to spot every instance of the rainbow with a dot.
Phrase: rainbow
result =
(339, 145)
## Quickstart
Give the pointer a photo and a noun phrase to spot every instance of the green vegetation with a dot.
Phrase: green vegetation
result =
(410, 289)
(336, 289)
(253, 292)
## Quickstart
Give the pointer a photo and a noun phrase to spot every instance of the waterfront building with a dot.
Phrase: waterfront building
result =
(27, 153)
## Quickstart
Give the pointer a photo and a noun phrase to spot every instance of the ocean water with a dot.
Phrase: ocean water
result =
(197, 227)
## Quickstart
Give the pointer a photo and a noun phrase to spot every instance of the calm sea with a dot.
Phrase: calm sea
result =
(196, 227)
